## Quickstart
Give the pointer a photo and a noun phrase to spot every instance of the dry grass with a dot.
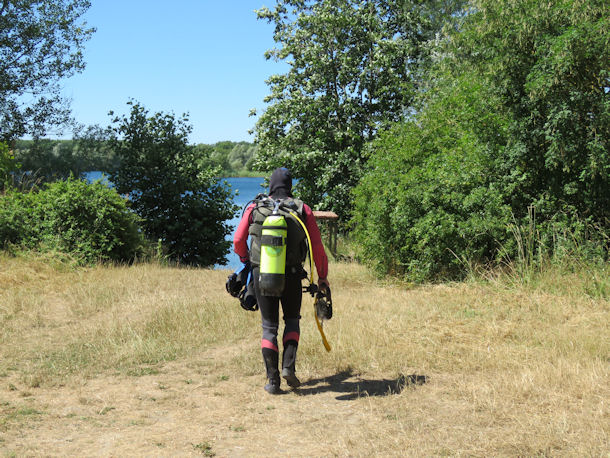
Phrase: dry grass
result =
(151, 360)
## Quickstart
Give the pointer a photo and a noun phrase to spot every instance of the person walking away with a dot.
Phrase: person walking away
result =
(281, 201)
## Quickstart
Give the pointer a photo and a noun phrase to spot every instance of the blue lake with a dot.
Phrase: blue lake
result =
(93, 176)
(247, 189)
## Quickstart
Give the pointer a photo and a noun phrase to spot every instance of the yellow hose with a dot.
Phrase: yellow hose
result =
(324, 341)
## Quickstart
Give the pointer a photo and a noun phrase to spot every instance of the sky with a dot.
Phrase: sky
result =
(201, 57)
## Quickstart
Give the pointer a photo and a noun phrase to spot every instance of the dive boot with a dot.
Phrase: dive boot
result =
(273, 375)
(273, 386)
(291, 378)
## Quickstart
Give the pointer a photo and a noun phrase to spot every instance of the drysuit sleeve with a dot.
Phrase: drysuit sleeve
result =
(240, 239)
(319, 255)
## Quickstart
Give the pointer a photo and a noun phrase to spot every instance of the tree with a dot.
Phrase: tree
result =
(430, 201)
(48, 160)
(233, 159)
(549, 64)
(242, 156)
(511, 138)
(179, 199)
(41, 43)
(91, 145)
(353, 69)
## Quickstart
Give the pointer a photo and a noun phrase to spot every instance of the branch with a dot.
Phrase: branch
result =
(4, 5)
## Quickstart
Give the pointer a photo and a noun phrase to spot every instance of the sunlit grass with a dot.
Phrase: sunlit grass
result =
(514, 367)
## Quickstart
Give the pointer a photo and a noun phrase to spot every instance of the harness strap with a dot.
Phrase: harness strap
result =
(272, 240)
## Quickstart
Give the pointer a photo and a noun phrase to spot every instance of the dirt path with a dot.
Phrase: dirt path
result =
(190, 409)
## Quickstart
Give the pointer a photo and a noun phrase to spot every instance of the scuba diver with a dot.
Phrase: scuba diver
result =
(271, 223)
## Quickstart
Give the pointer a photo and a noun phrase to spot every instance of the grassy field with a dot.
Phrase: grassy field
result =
(155, 361)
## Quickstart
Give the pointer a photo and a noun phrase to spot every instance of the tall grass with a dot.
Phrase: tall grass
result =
(512, 368)
(59, 320)
(554, 259)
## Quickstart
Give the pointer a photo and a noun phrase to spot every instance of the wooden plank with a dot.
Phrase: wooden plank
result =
(325, 215)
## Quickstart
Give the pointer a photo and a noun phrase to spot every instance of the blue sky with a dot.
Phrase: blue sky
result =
(203, 57)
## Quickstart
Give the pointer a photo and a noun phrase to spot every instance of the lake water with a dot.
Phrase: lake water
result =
(92, 176)
(247, 189)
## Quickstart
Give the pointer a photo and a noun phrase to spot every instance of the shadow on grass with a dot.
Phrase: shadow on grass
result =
(359, 387)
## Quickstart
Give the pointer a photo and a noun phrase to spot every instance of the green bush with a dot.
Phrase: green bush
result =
(7, 165)
(429, 204)
(507, 157)
(15, 218)
(90, 221)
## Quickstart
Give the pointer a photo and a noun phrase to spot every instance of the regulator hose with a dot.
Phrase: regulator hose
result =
(312, 286)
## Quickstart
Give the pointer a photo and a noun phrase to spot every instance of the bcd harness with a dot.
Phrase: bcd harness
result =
(273, 225)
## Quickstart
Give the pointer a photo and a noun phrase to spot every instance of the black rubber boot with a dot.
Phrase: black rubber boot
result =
(273, 374)
(289, 358)
(273, 387)
(290, 377)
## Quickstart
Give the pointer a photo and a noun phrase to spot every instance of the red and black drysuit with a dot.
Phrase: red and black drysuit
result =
(280, 188)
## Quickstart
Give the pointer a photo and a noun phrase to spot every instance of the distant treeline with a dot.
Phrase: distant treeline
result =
(55, 159)
(232, 158)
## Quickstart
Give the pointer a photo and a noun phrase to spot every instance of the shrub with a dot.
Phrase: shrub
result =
(15, 218)
(425, 210)
(89, 221)
(7, 165)
(513, 123)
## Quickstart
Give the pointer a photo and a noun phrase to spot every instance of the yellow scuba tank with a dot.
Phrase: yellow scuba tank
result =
(273, 254)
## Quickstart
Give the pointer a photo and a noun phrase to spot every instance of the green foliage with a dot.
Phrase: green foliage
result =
(41, 43)
(231, 158)
(241, 157)
(91, 145)
(171, 187)
(430, 197)
(507, 157)
(548, 62)
(89, 150)
(353, 69)
(8, 165)
(89, 221)
(52, 160)
(16, 219)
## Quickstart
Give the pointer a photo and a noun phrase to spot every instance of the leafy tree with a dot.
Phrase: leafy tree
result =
(204, 155)
(233, 159)
(91, 146)
(353, 69)
(430, 201)
(220, 155)
(513, 123)
(49, 160)
(241, 156)
(41, 42)
(179, 199)
(549, 64)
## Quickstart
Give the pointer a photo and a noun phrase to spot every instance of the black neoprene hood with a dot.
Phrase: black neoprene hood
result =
(280, 183)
